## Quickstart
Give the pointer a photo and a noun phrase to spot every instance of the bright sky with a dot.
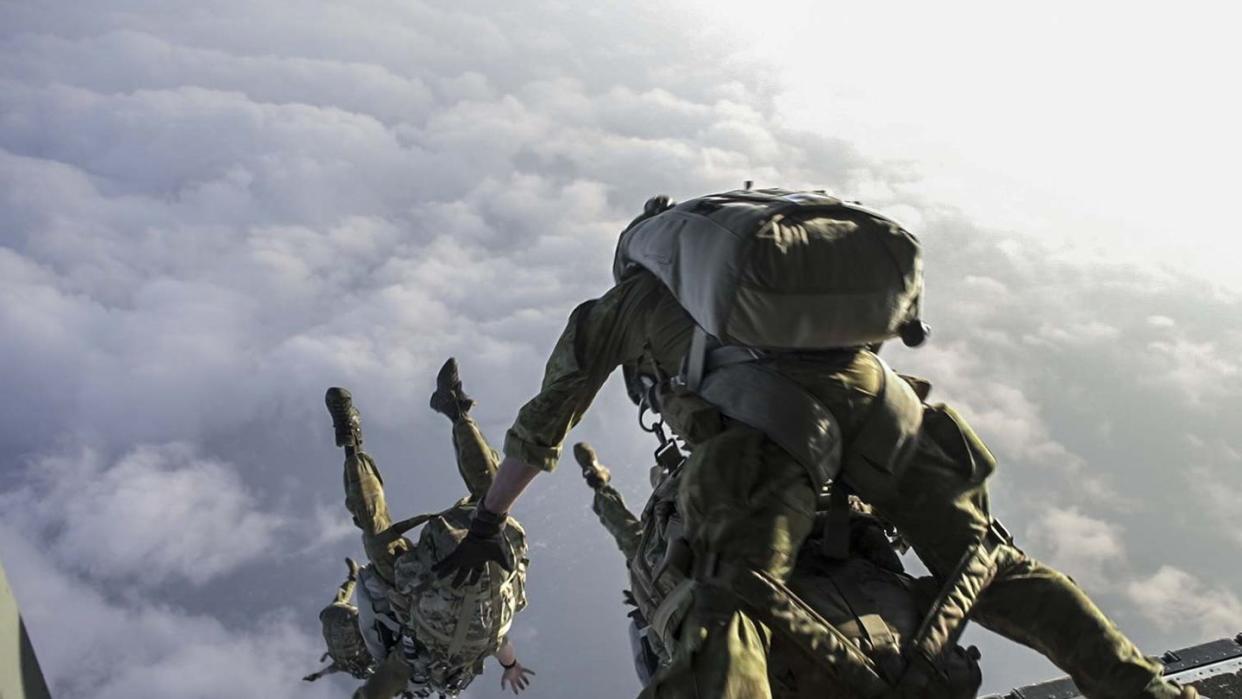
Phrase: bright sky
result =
(1112, 124)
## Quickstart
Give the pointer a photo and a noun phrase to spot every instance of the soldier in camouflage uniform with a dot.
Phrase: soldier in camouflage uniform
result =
(749, 504)
(867, 594)
(345, 644)
(608, 504)
(402, 663)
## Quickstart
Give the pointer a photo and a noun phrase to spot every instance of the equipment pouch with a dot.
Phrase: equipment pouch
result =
(949, 430)
(690, 416)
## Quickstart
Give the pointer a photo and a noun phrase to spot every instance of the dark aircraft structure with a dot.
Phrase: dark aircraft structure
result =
(1214, 668)
(20, 676)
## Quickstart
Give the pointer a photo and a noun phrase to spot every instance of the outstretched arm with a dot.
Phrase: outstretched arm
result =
(485, 541)
(511, 480)
(599, 336)
(516, 675)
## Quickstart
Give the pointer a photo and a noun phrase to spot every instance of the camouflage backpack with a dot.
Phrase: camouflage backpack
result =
(458, 626)
(344, 640)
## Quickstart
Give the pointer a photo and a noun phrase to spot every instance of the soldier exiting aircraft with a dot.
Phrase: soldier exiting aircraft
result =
(751, 312)
(865, 594)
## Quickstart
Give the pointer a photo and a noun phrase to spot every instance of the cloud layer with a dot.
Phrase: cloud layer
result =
(209, 214)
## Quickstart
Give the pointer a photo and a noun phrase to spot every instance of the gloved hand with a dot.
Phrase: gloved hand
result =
(483, 543)
(653, 207)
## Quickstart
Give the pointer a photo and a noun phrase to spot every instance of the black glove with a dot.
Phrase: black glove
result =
(654, 207)
(483, 543)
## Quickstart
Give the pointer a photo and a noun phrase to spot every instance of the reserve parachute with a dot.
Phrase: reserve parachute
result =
(458, 625)
(782, 270)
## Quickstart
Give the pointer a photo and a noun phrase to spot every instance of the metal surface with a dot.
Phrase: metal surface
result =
(1214, 668)
(20, 677)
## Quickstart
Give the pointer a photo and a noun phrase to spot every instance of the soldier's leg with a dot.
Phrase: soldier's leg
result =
(747, 506)
(476, 460)
(345, 593)
(608, 504)
(625, 528)
(364, 487)
(940, 504)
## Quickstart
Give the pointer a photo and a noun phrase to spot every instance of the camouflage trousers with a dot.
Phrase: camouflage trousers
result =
(364, 492)
(617, 519)
(748, 504)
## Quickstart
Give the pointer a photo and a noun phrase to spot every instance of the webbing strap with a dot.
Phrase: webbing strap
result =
(465, 614)
(398, 529)
(696, 359)
(835, 541)
(785, 613)
(946, 620)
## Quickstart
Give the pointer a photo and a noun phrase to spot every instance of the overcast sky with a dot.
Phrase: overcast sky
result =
(212, 211)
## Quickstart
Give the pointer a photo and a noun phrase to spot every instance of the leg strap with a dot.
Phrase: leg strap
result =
(782, 611)
(946, 620)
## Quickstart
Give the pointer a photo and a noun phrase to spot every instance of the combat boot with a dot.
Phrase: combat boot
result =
(593, 471)
(346, 420)
(449, 399)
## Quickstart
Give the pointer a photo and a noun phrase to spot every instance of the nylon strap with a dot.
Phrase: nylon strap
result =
(785, 613)
(835, 541)
(946, 620)
(696, 359)
(465, 614)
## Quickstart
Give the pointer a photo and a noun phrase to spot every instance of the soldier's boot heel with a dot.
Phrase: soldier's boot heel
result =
(593, 471)
(449, 398)
(346, 421)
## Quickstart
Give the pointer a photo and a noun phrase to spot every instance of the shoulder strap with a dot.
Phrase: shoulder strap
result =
(398, 529)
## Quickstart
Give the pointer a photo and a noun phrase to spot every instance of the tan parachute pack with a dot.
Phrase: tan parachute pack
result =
(458, 626)
(344, 639)
(781, 269)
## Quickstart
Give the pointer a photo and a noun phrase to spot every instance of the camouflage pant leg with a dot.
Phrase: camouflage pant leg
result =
(345, 593)
(617, 519)
(390, 679)
(476, 460)
(748, 503)
(942, 508)
(364, 498)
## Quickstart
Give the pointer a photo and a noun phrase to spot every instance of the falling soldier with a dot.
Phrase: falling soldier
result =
(753, 314)
(342, 634)
(429, 636)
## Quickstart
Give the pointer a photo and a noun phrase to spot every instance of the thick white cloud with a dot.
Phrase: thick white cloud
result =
(1173, 597)
(155, 514)
(1086, 548)
(210, 213)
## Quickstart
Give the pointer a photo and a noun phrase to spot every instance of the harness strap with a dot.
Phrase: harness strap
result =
(696, 359)
(946, 620)
(784, 612)
(835, 542)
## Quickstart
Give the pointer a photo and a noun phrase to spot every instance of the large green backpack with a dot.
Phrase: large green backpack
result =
(458, 626)
(781, 269)
(773, 271)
